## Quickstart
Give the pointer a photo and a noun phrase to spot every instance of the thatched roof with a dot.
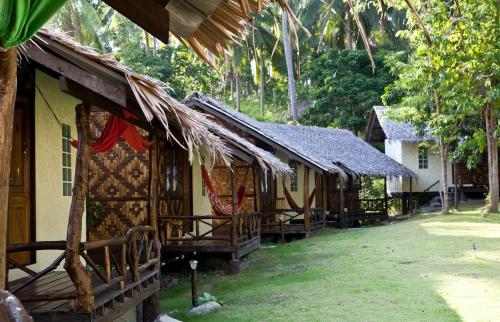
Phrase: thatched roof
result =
(331, 150)
(394, 130)
(340, 147)
(158, 107)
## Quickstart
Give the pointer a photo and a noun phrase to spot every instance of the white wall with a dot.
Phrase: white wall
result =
(201, 204)
(407, 154)
(51, 207)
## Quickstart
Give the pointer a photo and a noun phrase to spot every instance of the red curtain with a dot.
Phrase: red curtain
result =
(114, 129)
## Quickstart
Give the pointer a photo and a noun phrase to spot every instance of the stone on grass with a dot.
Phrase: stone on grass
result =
(166, 318)
(205, 308)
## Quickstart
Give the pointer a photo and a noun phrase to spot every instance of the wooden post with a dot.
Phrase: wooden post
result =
(324, 191)
(234, 204)
(307, 210)
(8, 80)
(258, 195)
(411, 196)
(153, 184)
(341, 202)
(73, 265)
(455, 187)
(386, 197)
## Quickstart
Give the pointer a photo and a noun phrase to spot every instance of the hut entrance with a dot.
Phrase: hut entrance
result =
(20, 216)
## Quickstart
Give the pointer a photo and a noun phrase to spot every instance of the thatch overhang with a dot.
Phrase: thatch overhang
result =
(381, 127)
(255, 128)
(203, 24)
(109, 84)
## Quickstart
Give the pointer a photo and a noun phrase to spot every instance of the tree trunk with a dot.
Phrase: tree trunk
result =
(491, 127)
(8, 80)
(348, 30)
(289, 66)
(443, 151)
(261, 84)
(73, 265)
(237, 90)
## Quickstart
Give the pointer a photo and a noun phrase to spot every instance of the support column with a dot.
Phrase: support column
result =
(258, 195)
(386, 204)
(324, 191)
(73, 265)
(343, 215)
(8, 80)
(153, 193)
(307, 210)
(411, 196)
(234, 264)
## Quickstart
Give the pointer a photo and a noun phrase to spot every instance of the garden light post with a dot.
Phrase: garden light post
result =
(282, 227)
(194, 291)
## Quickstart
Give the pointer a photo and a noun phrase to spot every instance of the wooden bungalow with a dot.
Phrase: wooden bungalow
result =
(401, 142)
(199, 218)
(105, 141)
(323, 160)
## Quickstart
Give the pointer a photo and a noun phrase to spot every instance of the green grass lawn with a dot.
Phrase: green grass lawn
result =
(421, 269)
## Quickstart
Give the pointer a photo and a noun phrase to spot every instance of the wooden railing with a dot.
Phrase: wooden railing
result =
(272, 219)
(317, 218)
(138, 251)
(178, 229)
(373, 205)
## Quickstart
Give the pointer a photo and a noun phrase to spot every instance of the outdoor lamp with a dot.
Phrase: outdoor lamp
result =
(282, 217)
(194, 292)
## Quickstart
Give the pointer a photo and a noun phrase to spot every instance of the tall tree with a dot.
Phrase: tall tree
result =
(287, 45)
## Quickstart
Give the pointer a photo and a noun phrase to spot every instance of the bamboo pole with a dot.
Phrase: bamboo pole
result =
(324, 187)
(153, 184)
(8, 79)
(73, 265)
(341, 193)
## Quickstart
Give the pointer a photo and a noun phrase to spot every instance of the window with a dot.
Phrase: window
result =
(203, 188)
(293, 182)
(423, 157)
(66, 160)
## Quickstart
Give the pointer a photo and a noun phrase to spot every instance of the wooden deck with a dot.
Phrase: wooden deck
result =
(290, 224)
(126, 275)
(109, 300)
(182, 235)
(211, 246)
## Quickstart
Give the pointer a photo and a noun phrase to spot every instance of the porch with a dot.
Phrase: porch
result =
(125, 274)
(361, 212)
(234, 236)
(282, 222)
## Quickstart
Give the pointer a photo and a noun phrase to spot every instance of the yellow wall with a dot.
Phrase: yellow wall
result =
(298, 195)
(201, 204)
(52, 208)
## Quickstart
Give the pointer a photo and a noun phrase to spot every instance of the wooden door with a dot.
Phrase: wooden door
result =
(19, 212)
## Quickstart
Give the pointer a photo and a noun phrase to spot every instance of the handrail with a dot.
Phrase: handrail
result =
(430, 187)
(139, 251)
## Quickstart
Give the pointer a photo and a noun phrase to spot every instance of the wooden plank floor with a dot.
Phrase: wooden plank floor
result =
(201, 246)
(59, 282)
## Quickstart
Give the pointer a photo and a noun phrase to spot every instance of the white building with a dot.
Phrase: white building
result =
(416, 152)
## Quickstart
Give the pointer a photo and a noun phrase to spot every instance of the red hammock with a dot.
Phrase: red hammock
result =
(217, 206)
(292, 202)
(114, 129)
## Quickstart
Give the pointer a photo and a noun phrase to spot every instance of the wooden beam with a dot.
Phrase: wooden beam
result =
(257, 173)
(8, 79)
(411, 195)
(148, 14)
(88, 95)
(114, 92)
(307, 210)
(73, 265)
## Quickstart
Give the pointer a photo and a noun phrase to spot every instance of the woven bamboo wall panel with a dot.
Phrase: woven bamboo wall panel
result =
(118, 185)
(221, 178)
